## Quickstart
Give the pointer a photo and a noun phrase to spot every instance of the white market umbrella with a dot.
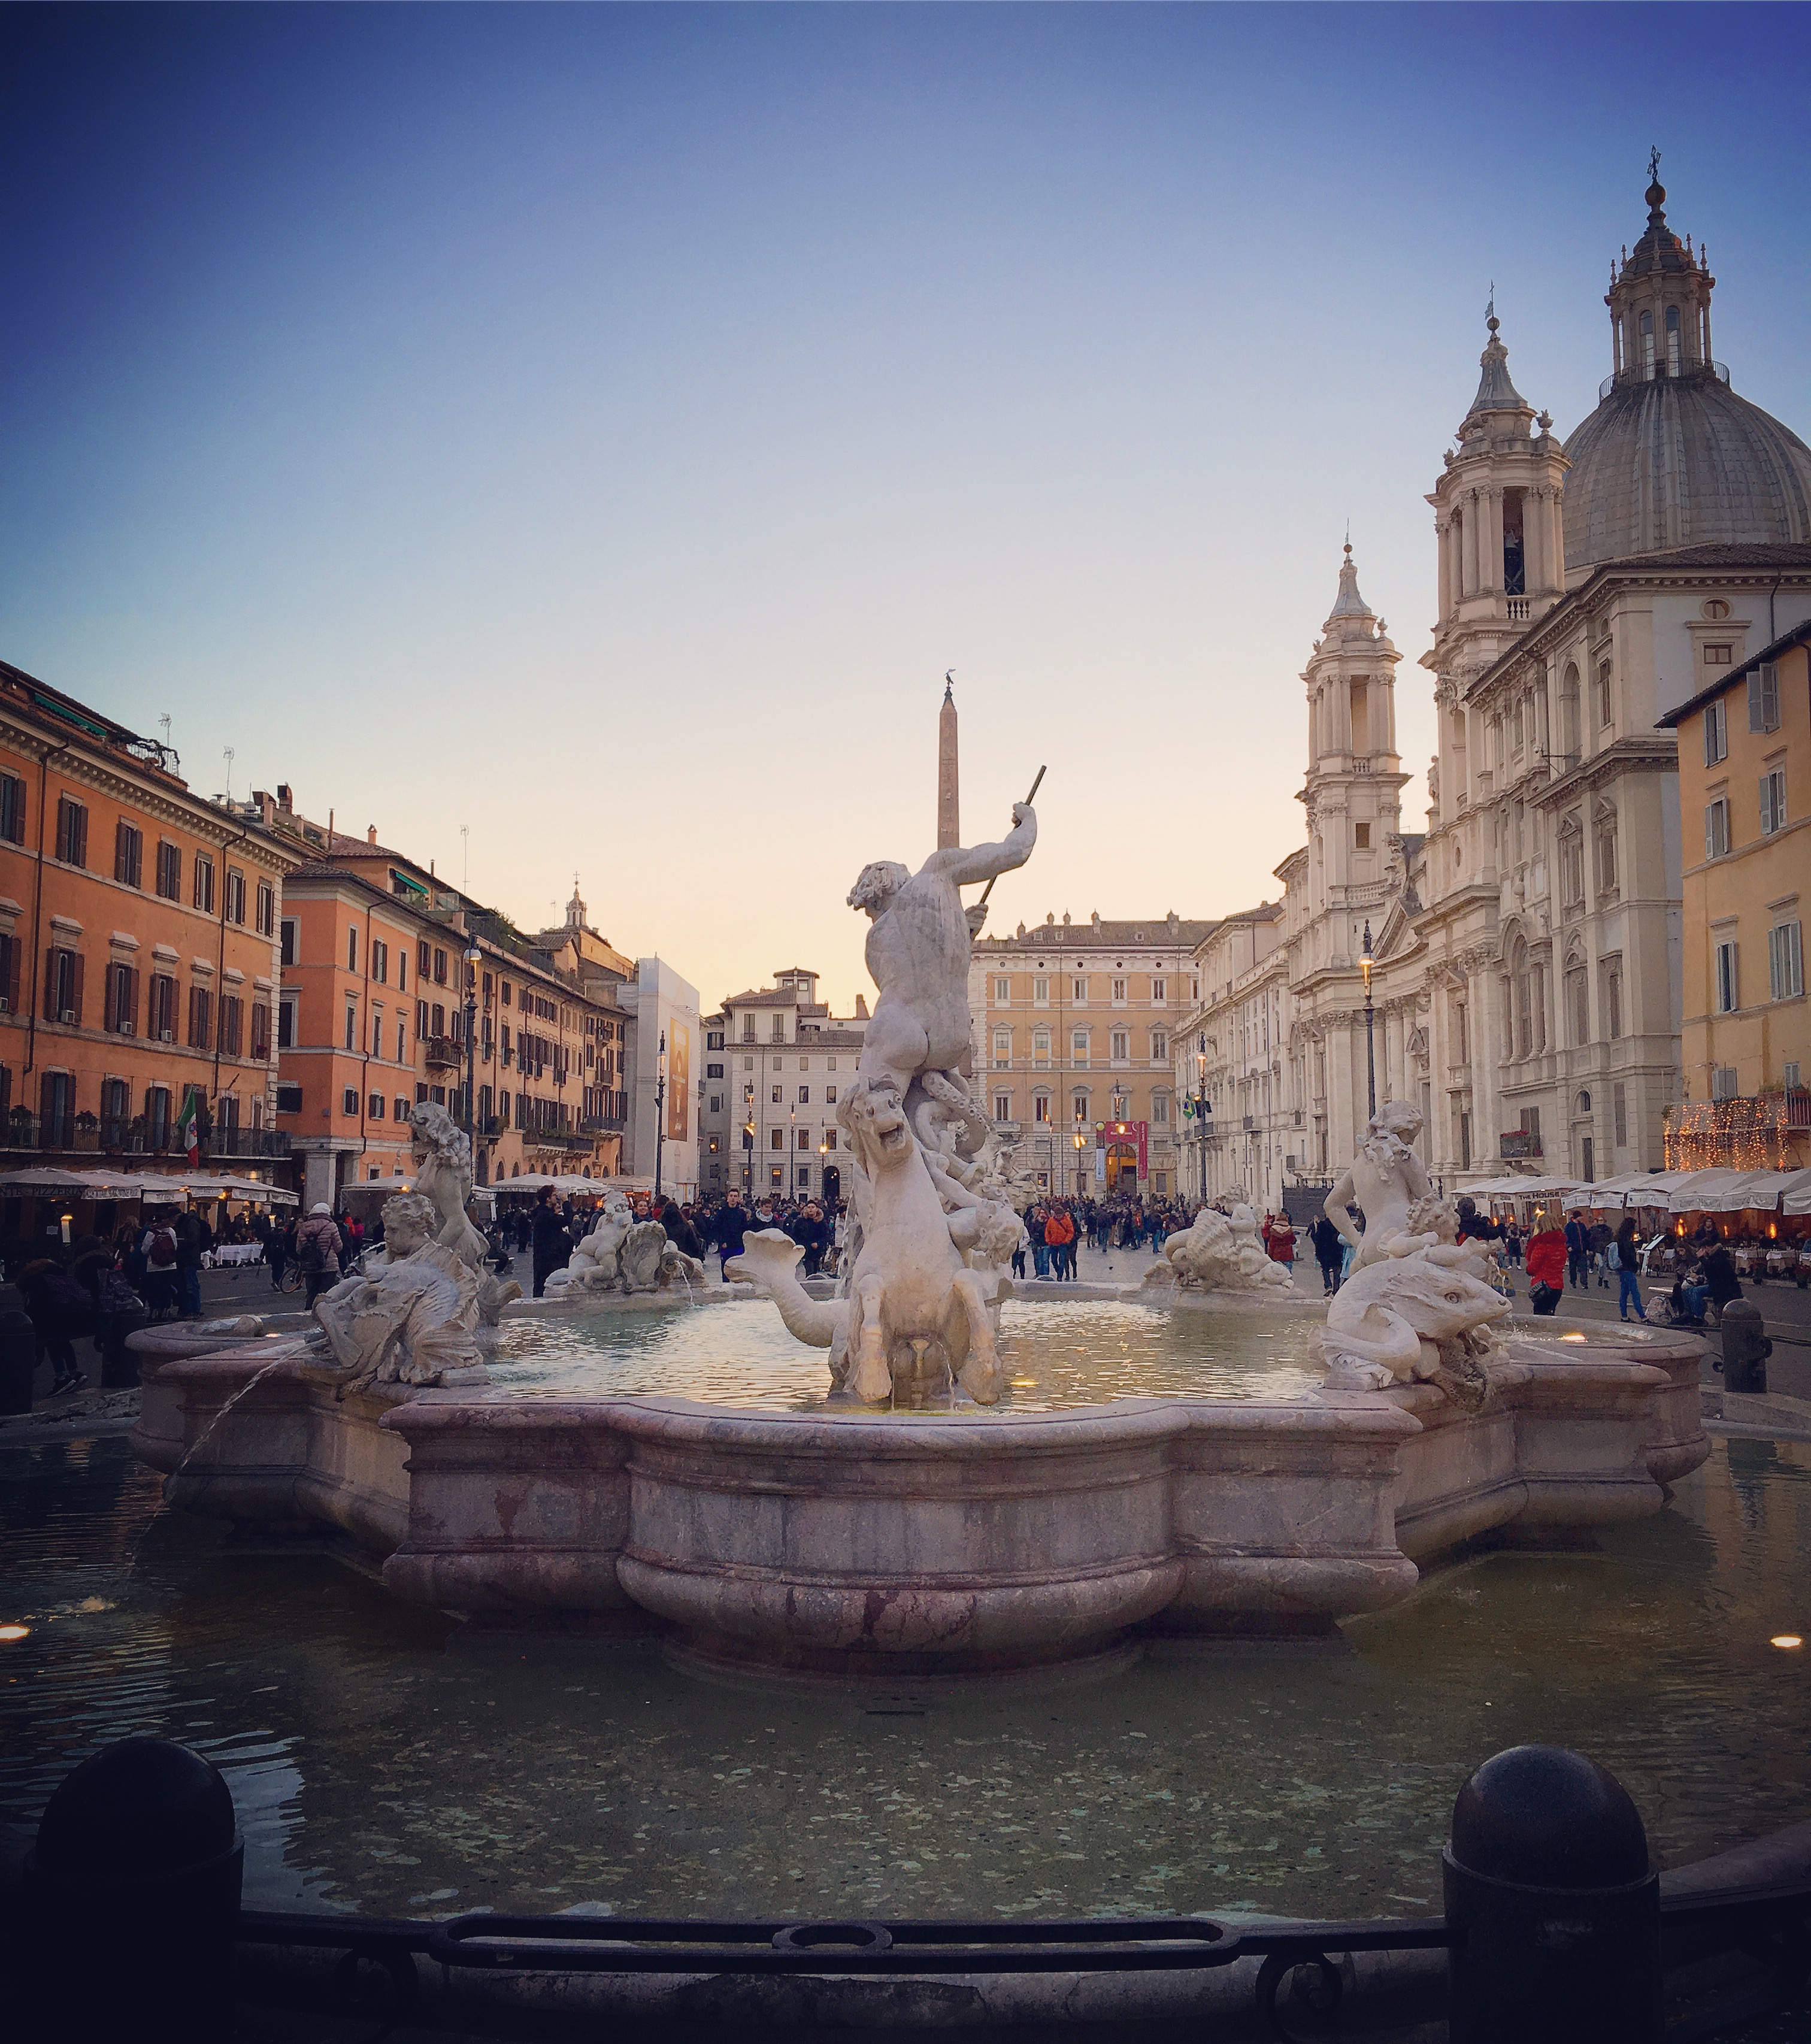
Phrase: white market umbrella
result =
(46, 1179)
(1795, 1192)
(1701, 1192)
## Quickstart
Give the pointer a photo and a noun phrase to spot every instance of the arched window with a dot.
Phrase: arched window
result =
(1569, 740)
(1648, 345)
(1672, 340)
(1578, 1002)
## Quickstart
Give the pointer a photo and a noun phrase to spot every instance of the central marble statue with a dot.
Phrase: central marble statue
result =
(935, 1222)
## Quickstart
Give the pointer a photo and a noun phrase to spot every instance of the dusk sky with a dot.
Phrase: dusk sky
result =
(602, 427)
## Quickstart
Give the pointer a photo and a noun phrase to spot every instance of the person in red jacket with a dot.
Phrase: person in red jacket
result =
(1545, 1260)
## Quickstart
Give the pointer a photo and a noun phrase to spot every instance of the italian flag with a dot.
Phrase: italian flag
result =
(186, 1127)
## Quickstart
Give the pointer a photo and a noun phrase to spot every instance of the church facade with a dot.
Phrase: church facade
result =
(1522, 957)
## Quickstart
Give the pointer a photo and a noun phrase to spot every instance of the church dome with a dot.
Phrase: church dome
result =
(1672, 457)
(1681, 462)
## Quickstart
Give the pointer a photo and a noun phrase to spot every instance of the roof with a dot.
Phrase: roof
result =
(1800, 635)
(1495, 391)
(1156, 932)
(1681, 461)
(797, 972)
(146, 752)
(772, 996)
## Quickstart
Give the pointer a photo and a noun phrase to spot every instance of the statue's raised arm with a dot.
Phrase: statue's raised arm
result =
(967, 867)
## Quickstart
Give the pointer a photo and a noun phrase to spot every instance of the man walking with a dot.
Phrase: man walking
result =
(1329, 1252)
(1577, 1255)
(552, 1245)
(193, 1239)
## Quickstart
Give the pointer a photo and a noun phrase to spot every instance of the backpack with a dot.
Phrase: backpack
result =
(163, 1251)
(312, 1255)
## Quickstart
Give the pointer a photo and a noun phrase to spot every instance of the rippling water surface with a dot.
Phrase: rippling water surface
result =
(1058, 1353)
(381, 1762)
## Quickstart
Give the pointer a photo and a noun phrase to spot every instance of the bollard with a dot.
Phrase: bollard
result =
(1555, 1909)
(130, 1895)
(1745, 1348)
(18, 1361)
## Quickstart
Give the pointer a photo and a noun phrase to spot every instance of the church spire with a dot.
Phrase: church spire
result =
(1349, 603)
(949, 822)
(576, 907)
(1496, 393)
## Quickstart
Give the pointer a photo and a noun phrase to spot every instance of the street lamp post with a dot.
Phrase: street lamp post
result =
(473, 957)
(1365, 962)
(659, 1109)
(1079, 1138)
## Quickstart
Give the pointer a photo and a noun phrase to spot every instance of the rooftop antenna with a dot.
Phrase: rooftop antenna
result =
(230, 755)
(465, 836)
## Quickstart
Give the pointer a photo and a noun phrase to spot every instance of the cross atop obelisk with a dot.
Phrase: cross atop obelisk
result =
(949, 820)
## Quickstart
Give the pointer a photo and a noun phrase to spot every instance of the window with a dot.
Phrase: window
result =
(776, 1138)
(349, 1101)
(1159, 1047)
(1571, 864)
(129, 854)
(71, 831)
(801, 1138)
(1159, 989)
(1361, 836)
(352, 948)
(234, 896)
(1763, 697)
(1612, 998)
(1716, 732)
(1715, 828)
(1724, 1082)
(439, 967)
(1002, 1047)
(1619, 1109)
(1121, 1046)
(9, 950)
(1078, 990)
(1530, 1128)
(829, 1096)
(160, 1022)
(1078, 1045)
(231, 1024)
(1159, 1110)
(804, 1065)
(122, 1005)
(1002, 990)
(374, 1107)
(714, 1040)
(63, 985)
(773, 1096)
(713, 1071)
(203, 896)
(266, 908)
(376, 1033)
(261, 1032)
(1040, 993)
(1603, 695)
(777, 1027)
(1672, 363)
(12, 809)
(1773, 800)
(1788, 1075)
(1119, 989)
(1785, 961)
(1040, 1047)
(380, 962)
(1648, 347)
(201, 1018)
(1040, 1107)
(1606, 854)
(288, 952)
(403, 1042)
(157, 1116)
(1002, 1106)
(804, 1096)
(437, 1020)
(1728, 981)
(1719, 656)
(1578, 1004)
(351, 1025)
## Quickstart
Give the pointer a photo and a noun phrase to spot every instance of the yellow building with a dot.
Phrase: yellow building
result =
(1073, 1023)
(1745, 804)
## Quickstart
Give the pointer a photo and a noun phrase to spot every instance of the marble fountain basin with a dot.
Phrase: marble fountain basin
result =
(774, 1536)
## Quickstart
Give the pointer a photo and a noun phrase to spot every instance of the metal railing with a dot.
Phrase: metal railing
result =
(1300, 1980)
(93, 1135)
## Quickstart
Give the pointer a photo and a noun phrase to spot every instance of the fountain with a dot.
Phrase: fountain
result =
(906, 1519)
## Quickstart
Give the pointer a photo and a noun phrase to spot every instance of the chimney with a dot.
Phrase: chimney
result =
(370, 833)
(286, 800)
(861, 1008)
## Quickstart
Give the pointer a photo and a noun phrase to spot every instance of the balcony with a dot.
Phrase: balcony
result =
(443, 1054)
(88, 1136)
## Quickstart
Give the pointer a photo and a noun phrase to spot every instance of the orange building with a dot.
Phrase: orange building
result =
(375, 975)
(138, 946)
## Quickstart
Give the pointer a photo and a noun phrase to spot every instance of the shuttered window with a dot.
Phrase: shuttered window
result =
(71, 831)
(129, 854)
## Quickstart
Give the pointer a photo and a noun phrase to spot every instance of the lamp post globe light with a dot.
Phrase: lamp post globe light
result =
(1365, 962)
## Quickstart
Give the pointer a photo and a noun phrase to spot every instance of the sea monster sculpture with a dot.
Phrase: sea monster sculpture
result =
(916, 1319)
(443, 1176)
(1415, 1315)
(1224, 1252)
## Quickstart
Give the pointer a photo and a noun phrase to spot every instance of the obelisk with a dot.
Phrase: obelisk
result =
(949, 820)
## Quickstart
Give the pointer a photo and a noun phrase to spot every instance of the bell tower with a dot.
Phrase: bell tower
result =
(1353, 791)
(1659, 301)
